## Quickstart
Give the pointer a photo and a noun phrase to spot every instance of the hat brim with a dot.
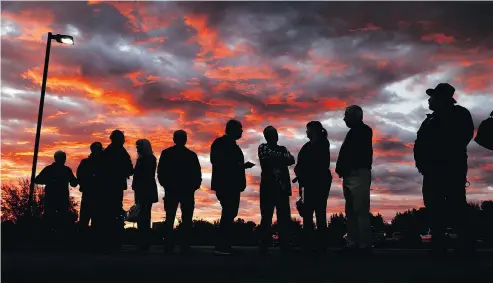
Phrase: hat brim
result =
(431, 92)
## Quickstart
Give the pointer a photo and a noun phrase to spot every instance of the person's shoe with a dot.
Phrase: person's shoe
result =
(223, 251)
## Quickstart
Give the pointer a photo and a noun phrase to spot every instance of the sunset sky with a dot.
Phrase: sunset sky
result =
(150, 68)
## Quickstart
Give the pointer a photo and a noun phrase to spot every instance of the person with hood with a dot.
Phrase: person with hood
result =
(275, 189)
(354, 165)
(314, 178)
(440, 153)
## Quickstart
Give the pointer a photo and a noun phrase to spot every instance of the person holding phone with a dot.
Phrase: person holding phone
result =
(228, 180)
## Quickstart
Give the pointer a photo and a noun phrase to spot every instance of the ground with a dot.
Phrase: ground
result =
(385, 266)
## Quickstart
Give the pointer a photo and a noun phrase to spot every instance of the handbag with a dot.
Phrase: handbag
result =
(133, 213)
(484, 137)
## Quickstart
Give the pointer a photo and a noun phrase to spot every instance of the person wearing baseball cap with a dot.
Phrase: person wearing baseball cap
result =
(440, 154)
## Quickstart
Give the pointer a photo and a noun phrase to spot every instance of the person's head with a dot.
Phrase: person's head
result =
(353, 116)
(234, 129)
(441, 97)
(270, 135)
(96, 148)
(180, 137)
(60, 157)
(315, 131)
(117, 137)
(144, 147)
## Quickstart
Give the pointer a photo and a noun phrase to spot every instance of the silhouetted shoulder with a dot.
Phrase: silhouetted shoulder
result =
(461, 110)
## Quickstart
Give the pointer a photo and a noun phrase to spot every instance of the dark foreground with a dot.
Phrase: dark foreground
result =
(128, 266)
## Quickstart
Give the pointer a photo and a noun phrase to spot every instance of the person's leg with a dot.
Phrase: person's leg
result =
(84, 212)
(283, 211)
(230, 202)
(170, 207)
(308, 227)
(187, 207)
(351, 220)
(459, 212)
(360, 190)
(266, 212)
(321, 216)
(144, 226)
(434, 202)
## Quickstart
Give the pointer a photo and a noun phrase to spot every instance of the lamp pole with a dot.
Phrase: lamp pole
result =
(40, 119)
(61, 39)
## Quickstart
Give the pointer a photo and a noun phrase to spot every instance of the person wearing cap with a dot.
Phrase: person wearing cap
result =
(56, 177)
(275, 189)
(180, 175)
(118, 168)
(440, 154)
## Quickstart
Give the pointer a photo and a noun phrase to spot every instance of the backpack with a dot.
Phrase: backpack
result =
(484, 137)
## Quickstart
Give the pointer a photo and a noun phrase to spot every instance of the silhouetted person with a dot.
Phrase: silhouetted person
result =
(275, 189)
(228, 180)
(90, 176)
(315, 179)
(145, 188)
(484, 136)
(440, 152)
(354, 165)
(56, 177)
(180, 174)
(117, 168)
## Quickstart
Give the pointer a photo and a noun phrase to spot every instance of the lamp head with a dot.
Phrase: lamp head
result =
(62, 38)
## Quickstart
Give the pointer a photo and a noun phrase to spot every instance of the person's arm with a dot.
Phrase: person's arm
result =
(299, 168)
(283, 156)
(219, 154)
(81, 172)
(466, 129)
(72, 179)
(43, 177)
(196, 172)
(162, 168)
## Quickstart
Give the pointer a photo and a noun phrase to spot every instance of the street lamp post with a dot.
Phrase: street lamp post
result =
(60, 38)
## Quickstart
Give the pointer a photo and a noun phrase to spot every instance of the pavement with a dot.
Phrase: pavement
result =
(387, 265)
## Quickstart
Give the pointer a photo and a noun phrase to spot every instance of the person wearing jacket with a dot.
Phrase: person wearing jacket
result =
(315, 179)
(440, 153)
(118, 168)
(89, 174)
(56, 177)
(275, 189)
(354, 165)
(228, 181)
(145, 189)
(180, 175)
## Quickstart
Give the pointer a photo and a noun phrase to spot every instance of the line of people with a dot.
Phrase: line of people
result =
(440, 153)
